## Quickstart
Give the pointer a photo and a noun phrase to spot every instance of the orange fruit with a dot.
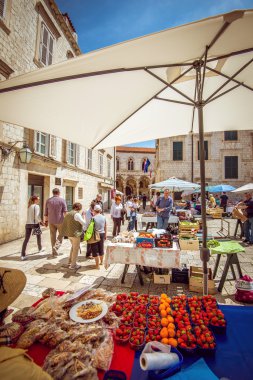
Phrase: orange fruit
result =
(170, 319)
(169, 299)
(162, 307)
(168, 310)
(163, 295)
(164, 332)
(171, 333)
(163, 313)
(164, 322)
(165, 340)
(172, 342)
(171, 326)
(166, 304)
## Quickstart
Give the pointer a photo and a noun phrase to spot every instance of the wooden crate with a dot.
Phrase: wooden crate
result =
(161, 278)
(189, 244)
(196, 281)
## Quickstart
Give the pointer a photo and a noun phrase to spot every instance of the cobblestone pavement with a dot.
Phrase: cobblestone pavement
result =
(43, 272)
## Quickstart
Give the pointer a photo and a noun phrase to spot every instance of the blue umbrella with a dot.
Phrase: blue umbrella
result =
(219, 188)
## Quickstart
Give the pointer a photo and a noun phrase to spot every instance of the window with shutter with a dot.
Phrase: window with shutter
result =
(101, 163)
(108, 167)
(41, 143)
(89, 159)
(230, 136)
(46, 46)
(231, 167)
(53, 146)
(71, 153)
(117, 163)
(2, 8)
(80, 192)
(177, 150)
(77, 155)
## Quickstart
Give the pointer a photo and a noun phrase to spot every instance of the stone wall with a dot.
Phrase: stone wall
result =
(136, 179)
(218, 148)
(19, 42)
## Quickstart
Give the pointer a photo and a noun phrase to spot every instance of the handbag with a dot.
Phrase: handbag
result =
(95, 238)
(89, 232)
(36, 230)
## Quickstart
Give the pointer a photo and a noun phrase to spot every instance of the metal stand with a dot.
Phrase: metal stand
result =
(232, 258)
(138, 272)
(239, 223)
(224, 232)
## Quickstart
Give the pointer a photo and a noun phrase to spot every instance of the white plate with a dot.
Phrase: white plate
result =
(73, 311)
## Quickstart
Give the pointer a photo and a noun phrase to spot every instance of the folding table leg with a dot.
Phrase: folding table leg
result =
(139, 274)
(225, 272)
(124, 273)
(216, 265)
(233, 271)
(237, 263)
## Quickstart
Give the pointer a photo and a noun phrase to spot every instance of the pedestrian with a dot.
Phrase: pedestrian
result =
(116, 215)
(217, 200)
(88, 216)
(224, 201)
(32, 224)
(133, 216)
(144, 201)
(97, 249)
(98, 201)
(163, 207)
(55, 212)
(128, 206)
(212, 202)
(72, 227)
(247, 206)
(154, 199)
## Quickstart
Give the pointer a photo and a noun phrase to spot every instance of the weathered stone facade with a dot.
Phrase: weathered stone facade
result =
(218, 149)
(130, 176)
(79, 174)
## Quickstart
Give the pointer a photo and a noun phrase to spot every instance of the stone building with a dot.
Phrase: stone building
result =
(34, 34)
(228, 155)
(130, 175)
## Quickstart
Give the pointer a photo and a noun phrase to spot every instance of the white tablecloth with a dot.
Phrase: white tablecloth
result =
(126, 253)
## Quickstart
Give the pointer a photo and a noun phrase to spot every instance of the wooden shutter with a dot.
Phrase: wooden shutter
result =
(67, 152)
(2, 3)
(77, 155)
(231, 167)
(53, 146)
(43, 44)
(50, 51)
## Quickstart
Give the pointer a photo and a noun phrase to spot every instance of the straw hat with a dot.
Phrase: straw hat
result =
(12, 282)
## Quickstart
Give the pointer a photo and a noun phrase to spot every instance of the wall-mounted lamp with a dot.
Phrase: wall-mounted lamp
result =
(25, 154)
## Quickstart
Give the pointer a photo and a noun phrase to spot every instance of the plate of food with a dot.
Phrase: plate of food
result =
(88, 311)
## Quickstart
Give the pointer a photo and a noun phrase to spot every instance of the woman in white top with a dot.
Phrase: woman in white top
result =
(116, 215)
(33, 221)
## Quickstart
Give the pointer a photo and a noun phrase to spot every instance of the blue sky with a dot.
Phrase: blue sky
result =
(101, 23)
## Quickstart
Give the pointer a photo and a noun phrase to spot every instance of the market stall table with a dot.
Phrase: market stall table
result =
(173, 219)
(232, 360)
(128, 253)
(229, 248)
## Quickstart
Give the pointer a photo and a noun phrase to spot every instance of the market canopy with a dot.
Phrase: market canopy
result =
(92, 99)
(244, 188)
(219, 188)
(175, 184)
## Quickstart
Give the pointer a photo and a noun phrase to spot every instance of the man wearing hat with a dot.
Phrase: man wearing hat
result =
(15, 364)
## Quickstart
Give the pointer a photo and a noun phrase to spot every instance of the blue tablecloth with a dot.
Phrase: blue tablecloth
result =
(234, 354)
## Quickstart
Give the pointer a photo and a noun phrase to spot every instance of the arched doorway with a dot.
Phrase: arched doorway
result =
(131, 188)
(119, 184)
(143, 185)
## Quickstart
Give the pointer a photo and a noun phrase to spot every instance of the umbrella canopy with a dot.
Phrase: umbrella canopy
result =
(174, 184)
(244, 188)
(148, 87)
(219, 188)
(92, 100)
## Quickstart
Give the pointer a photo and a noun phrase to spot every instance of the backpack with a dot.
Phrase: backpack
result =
(89, 232)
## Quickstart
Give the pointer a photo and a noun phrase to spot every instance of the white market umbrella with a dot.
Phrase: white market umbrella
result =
(175, 184)
(244, 188)
(170, 83)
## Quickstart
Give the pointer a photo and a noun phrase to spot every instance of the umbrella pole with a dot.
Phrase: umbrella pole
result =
(204, 252)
